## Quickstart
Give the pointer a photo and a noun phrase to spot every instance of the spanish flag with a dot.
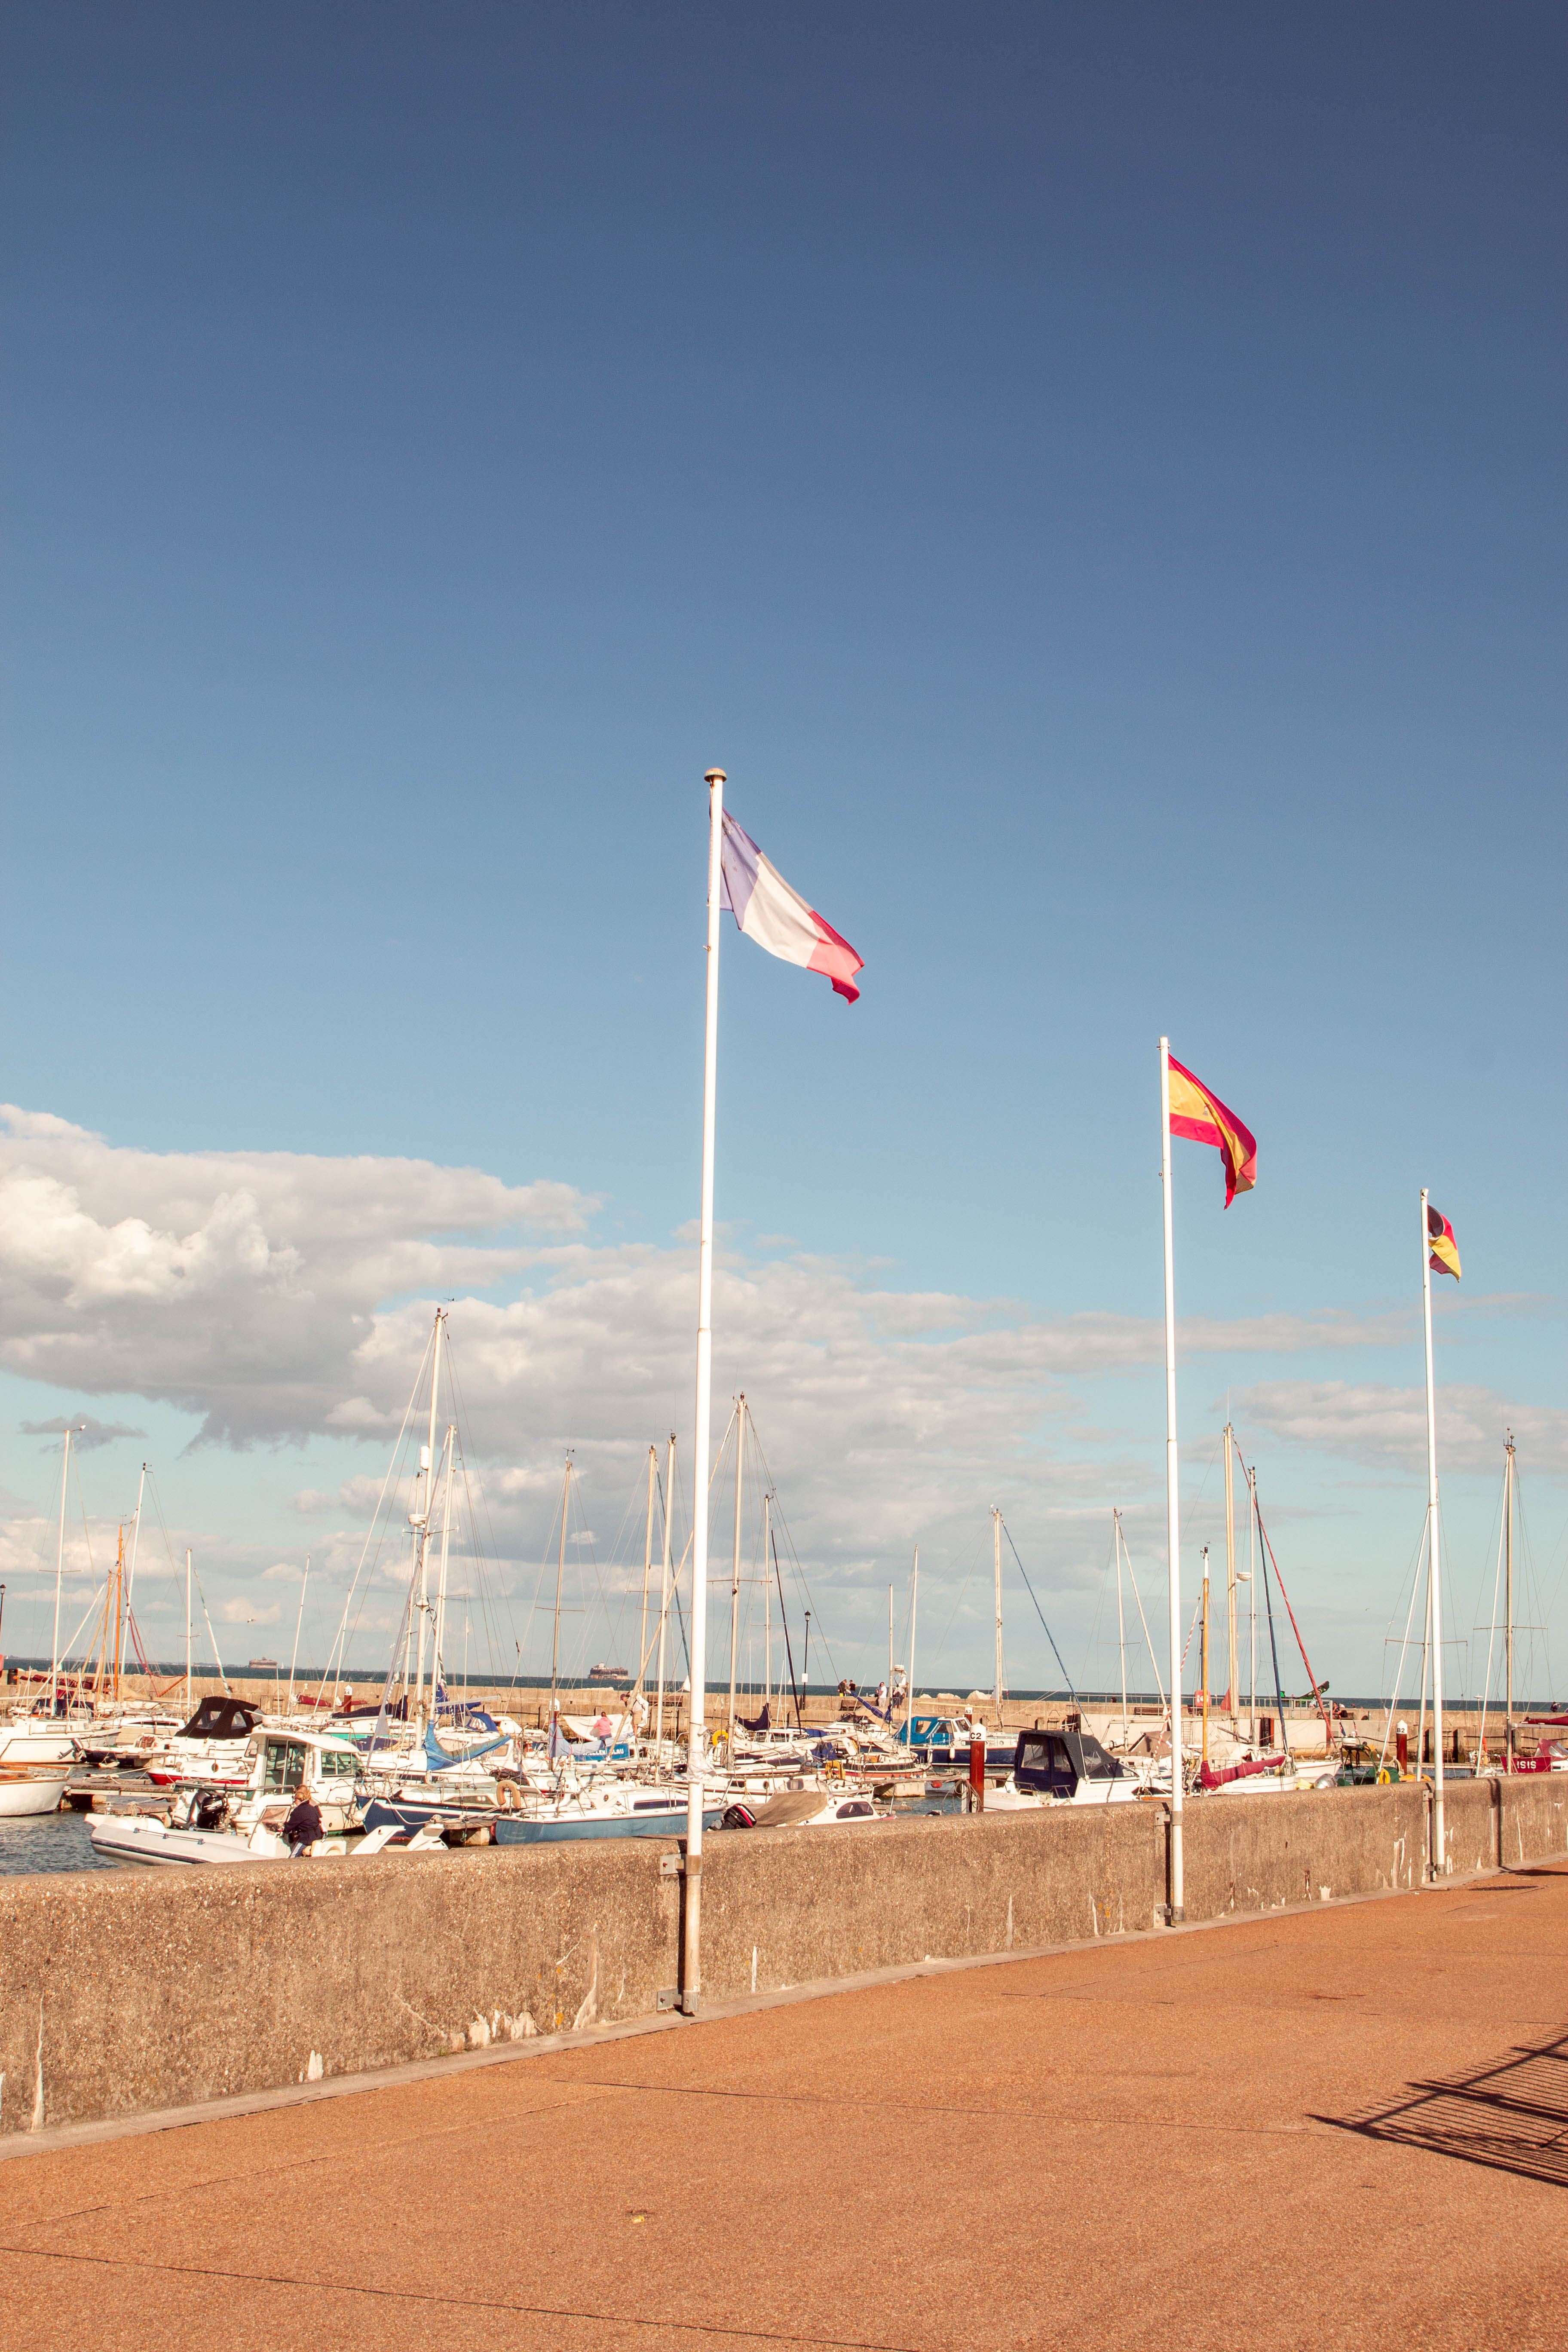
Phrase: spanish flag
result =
(1201, 1117)
(1445, 1259)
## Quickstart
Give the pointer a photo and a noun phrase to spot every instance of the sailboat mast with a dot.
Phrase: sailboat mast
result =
(127, 1589)
(1231, 1694)
(119, 1609)
(910, 1700)
(735, 1563)
(560, 1576)
(438, 1645)
(188, 1632)
(647, 1566)
(1205, 1655)
(426, 1489)
(767, 1608)
(996, 1563)
(135, 1536)
(298, 1620)
(889, 1647)
(1507, 1598)
(60, 1573)
(1121, 1620)
(664, 1592)
(101, 1668)
(1252, 1608)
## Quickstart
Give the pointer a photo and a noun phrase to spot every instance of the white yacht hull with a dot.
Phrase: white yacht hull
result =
(26, 1791)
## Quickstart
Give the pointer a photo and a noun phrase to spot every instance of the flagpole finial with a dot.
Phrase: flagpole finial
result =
(715, 776)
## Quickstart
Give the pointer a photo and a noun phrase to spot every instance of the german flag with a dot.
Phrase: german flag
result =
(1445, 1258)
(1201, 1117)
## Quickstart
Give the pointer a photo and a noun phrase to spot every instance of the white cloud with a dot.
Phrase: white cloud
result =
(241, 1610)
(259, 1290)
(312, 1503)
(281, 1297)
(1369, 1421)
(236, 1284)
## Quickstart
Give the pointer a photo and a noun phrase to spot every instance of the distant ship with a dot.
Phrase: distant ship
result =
(257, 1662)
(609, 1674)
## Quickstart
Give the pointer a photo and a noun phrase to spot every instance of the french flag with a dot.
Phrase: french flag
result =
(777, 918)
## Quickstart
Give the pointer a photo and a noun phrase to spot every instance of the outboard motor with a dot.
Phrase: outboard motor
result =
(739, 1817)
(209, 1809)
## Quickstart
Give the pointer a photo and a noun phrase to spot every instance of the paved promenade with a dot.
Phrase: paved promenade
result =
(1348, 2125)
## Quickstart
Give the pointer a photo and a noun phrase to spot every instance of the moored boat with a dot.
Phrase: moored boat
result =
(27, 1789)
(612, 1809)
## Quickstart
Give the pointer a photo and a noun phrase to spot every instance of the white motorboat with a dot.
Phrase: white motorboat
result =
(271, 1767)
(29, 1789)
(276, 1764)
(203, 1834)
(33, 1739)
(806, 1809)
(124, 1733)
(211, 1746)
(143, 1837)
(1065, 1768)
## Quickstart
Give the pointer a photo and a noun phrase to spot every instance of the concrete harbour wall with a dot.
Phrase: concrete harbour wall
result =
(121, 1994)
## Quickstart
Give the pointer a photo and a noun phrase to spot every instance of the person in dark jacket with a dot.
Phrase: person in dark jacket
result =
(303, 1826)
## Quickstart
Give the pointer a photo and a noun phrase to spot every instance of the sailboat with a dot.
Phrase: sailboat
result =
(1551, 1753)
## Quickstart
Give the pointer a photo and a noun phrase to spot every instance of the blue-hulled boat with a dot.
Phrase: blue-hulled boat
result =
(620, 1809)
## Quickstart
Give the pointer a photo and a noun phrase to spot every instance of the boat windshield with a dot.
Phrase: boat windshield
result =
(285, 1764)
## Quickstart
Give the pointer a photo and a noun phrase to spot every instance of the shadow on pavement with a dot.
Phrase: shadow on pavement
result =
(1511, 2116)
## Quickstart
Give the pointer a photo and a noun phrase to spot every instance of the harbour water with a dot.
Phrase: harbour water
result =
(49, 1842)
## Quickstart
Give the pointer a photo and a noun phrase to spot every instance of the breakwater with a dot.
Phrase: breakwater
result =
(121, 1994)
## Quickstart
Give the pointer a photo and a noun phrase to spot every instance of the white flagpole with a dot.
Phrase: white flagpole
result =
(1172, 1500)
(664, 1604)
(696, 1740)
(1434, 1561)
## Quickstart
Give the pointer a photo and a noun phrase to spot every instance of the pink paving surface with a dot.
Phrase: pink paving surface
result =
(1341, 2127)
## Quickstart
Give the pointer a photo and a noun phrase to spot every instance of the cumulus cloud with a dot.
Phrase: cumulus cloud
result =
(238, 1285)
(1369, 1421)
(280, 1296)
(312, 1501)
(243, 1611)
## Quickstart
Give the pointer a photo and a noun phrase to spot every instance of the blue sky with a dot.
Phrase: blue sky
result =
(1095, 481)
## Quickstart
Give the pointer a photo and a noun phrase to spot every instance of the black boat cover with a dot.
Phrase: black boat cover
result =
(222, 1718)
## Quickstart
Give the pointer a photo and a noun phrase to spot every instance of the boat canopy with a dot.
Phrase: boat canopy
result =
(789, 1809)
(1055, 1761)
(222, 1718)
